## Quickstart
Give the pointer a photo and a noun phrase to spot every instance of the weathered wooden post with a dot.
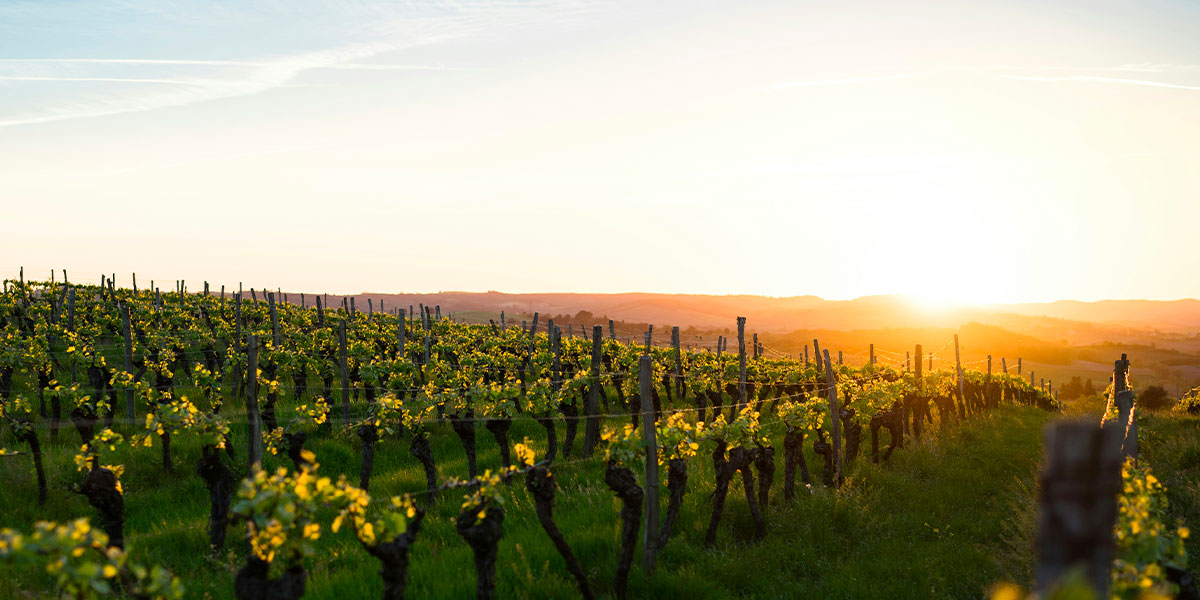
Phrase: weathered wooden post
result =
(872, 358)
(680, 389)
(591, 427)
(1126, 411)
(987, 390)
(274, 321)
(962, 399)
(835, 420)
(817, 355)
(741, 327)
(344, 372)
(650, 539)
(125, 329)
(253, 419)
(1079, 487)
(400, 334)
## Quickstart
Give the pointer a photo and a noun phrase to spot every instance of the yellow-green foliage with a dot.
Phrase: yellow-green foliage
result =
(1145, 543)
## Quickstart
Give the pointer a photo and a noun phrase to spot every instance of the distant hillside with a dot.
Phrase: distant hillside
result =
(1057, 340)
(1171, 316)
(1090, 322)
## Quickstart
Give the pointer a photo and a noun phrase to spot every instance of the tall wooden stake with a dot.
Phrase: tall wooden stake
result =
(591, 431)
(344, 372)
(252, 417)
(962, 400)
(835, 419)
(125, 327)
(1079, 487)
(741, 327)
(650, 540)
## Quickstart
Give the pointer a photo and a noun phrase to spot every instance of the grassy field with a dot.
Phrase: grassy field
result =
(1170, 443)
(945, 518)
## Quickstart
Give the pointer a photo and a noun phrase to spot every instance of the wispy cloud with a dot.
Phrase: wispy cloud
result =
(843, 81)
(380, 35)
(991, 72)
(103, 79)
(259, 77)
(1105, 80)
(220, 63)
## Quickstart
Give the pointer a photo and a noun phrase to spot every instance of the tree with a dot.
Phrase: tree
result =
(1154, 398)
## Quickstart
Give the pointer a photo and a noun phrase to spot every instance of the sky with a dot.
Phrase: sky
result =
(962, 151)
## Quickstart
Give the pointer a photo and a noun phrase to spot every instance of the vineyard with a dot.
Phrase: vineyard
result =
(230, 445)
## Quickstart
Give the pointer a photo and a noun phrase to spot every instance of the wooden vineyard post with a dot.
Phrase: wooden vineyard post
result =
(835, 420)
(1079, 487)
(649, 338)
(252, 417)
(872, 354)
(839, 358)
(344, 373)
(129, 413)
(680, 389)
(741, 327)
(806, 355)
(817, 355)
(320, 313)
(755, 342)
(907, 361)
(612, 330)
(237, 315)
(274, 321)
(1018, 366)
(987, 389)
(650, 539)
(71, 316)
(555, 340)
(1126, 411)
(962, 400)
(917, 355)
(591, 427)
(400, 333)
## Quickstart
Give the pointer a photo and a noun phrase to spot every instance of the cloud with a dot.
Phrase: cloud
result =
(218, 63)
(101, 79)
(990, 72)
(1105, 80)
(259, 77)
(843, 81)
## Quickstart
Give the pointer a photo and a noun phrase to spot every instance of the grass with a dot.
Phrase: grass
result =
(946, 518)
(1170, 443)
